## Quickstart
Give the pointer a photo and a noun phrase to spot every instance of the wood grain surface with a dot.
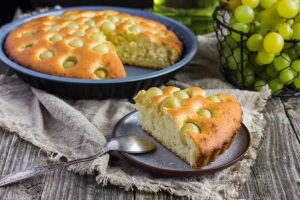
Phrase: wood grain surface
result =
(275, 175)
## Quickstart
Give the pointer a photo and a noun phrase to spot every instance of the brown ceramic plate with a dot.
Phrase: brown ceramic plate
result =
(162, 161)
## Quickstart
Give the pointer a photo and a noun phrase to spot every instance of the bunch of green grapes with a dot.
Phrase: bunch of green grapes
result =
(269, 48)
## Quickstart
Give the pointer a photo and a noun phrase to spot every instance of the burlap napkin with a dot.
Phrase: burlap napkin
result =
(75, 129)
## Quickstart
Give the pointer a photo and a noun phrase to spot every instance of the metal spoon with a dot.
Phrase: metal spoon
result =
(130, 144)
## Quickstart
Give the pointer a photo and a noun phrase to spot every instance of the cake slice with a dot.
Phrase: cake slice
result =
(194, 127)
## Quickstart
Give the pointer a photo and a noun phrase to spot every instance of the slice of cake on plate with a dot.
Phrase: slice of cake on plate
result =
(194, 127)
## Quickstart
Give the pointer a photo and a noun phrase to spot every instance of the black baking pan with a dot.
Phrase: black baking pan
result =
(137, 78)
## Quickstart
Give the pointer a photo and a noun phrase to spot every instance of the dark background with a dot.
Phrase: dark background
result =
(8, 7)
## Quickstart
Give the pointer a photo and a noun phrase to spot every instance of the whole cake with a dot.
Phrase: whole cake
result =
(194, 127)
(92, 44)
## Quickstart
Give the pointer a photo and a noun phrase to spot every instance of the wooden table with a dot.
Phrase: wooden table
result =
(276, 174)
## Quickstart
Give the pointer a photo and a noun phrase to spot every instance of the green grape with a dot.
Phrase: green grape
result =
(135, 29)
(255, 42)
(101, 48)
(225, 54)
(295, 68)
(249, 77)
(232, 21)
(292, 52)
(273, 42)
(286, 76)
(69, 64)
(56, 38)
(114, 19)
(76, 43)
(269, 17)
(263, 30)
(152, 92)
(71, 17)
(240, 27)
(107, 27)
(78, 33)
(267, 3)
(54, 29)
(264, 57)
(271, 72)
(251, 3)
(46, 54)
(234, 61)
(188, 127)
(276, 86)
(215, 99)
(101, 73)
(181, 94)
(170, 102)
(297, 83)
(258, 62)
(296, 34)
(233, 64)
(73, 25)
(97, 37)
(282, 62)
(229, 43)
(204, 113)
(244, 14)
(259, 84)
(233, 4)
(287, 8)
(285, 31)
(90, 23)
(92, 29)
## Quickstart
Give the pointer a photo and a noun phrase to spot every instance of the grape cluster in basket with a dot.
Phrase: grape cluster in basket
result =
(268, 50)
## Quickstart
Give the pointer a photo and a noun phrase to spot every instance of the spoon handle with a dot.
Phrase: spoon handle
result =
(27, 173)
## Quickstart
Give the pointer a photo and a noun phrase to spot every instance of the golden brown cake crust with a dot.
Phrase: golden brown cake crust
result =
(217, 133)
(202, 160)
(226, 120)
(88, 60)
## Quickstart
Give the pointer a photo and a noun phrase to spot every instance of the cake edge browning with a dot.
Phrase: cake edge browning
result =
(213, 139)
(40, 36)
(202, 160)
(29, 60)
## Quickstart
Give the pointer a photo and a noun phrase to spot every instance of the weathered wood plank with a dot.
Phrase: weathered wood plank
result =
(62, 184)
(276, 172)
(292, 108)
(16, 154)
(156, 196)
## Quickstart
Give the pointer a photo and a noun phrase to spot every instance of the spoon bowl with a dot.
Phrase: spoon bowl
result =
(133, 144)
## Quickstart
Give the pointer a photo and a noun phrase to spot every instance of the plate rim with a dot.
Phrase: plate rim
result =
(6, 29)
(182, 173)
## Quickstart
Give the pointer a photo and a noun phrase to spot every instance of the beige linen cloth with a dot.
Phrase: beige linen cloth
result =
(75, 129)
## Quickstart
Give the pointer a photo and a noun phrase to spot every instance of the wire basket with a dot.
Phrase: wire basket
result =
(238, 64)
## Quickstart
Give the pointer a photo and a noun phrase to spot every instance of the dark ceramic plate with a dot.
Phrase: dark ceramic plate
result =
(162, 161)
(138, 78)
